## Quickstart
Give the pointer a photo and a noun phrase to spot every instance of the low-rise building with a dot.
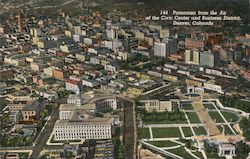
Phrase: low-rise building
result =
(42, 79)
(31, 111)
(90, 83)
(225, 150)
(14, 116)
(107, 104)
(83, 127)
(60, 74)
(67, 110)
(73, 85)
(75, 99)
(213, 87)
(49, 95)
(167, 103)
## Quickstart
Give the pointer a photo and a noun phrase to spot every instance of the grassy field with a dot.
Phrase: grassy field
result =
(216, 116)
(144, 133)
(166, 132)
(181, 152)
(214, 156)
(188, 106)
(227, 130)
(166, 143)
(187, 131)
(193, 117)
(230, 117)
(198, 154)
(200, 131)
(208, 105)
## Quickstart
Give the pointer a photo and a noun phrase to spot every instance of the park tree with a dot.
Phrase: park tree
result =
(242, 150)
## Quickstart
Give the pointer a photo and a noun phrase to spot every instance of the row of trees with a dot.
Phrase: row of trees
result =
(175, 115)
(8, 140)
(242, 150)
(119, 148)
(43, 114)
(245, 127)
(4, 121)
(235, 102)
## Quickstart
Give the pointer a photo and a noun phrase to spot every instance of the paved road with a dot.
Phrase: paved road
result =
(42, 139)
(160, 151)
(170, 87)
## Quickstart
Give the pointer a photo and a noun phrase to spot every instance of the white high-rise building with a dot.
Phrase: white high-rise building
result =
(112, 34)
(207, 59)
(35, 32)
(192, 57)
(160, 49)
(73, 85)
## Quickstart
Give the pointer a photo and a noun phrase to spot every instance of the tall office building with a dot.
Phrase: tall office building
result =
(35, 32)
(112, 34)
(160, 49)
(171, 46)
(19, 21)
(213, 39)
(207, 59)
(227, 54)
(192, 43)
(165, 33)
(192, 57)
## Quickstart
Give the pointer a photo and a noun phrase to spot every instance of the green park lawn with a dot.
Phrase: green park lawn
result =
(144, 133)
(181, 152)
(166, 143)
(230, 117)
(193, 117)
(214, 156)
(198, 154)
(187, 106)
(209, 106)
(200, 130)
(166, 132)
(227, 130)
(187, 131)
(216, 116)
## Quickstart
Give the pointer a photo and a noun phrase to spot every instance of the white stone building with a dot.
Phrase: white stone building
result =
(67, 110)
(226, 150)
(75, 99)
(73, 85)
(107, 104)
(161, 104)
(83, 127)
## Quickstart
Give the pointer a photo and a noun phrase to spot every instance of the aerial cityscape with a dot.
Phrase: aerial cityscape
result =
(124, 79)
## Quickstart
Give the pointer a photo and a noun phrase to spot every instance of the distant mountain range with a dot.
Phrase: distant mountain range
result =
(236, 5)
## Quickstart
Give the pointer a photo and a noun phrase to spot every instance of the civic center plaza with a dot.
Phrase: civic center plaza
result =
(78, 120)
(201, 112)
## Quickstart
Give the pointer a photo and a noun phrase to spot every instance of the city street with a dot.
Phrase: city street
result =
(42, 139)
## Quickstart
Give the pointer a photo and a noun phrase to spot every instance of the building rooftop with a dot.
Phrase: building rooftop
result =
(71, 107)
(85, 121)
